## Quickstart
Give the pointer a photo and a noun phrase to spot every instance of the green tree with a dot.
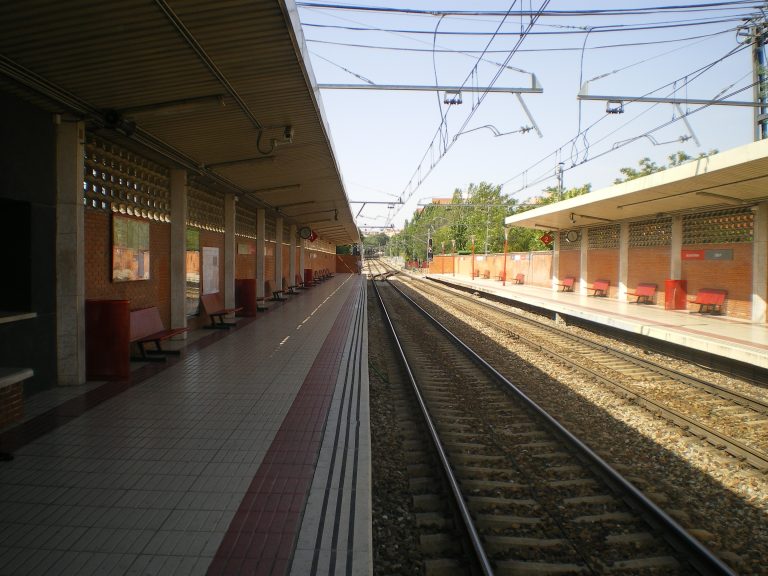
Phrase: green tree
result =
(527, 239)
(478, 211)
(648, 167)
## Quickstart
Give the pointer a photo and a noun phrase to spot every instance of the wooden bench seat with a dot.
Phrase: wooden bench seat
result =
(710, 300)
(486, 274)
(213, 306)
(290, 288)
(645, 292)
(600, 287)
(298, 282)
(146, 327)
(567, 284)
(277, 295)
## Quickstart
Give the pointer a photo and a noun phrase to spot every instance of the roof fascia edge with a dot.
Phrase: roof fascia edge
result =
(293, 22)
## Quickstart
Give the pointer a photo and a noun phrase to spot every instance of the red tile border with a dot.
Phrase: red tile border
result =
(268, 518)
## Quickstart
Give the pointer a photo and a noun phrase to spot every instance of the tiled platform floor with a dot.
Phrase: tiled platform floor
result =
(732, 338)
(205, 466)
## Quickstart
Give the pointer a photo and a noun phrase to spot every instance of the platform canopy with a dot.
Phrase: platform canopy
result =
(737, 177)
(223, 89)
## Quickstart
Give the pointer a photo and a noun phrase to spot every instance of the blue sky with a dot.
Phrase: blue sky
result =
(381, 137)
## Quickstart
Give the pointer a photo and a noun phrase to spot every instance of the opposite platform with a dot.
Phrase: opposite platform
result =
(734, 339)
(248, 455)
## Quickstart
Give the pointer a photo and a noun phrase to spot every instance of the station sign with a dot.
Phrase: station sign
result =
(726, 254)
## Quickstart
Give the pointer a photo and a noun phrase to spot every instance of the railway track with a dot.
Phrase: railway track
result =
(732, 421)
(534, 499)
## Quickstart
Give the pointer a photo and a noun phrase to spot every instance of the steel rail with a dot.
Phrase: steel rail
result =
(466, 517)
(698, 555)
(736, 448)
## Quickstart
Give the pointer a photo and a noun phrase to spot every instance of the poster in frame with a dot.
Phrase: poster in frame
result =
(130, 249)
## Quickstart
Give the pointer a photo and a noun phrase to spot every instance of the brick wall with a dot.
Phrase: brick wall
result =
(541, 269)
(11, 404)
(98, 266)
(287, 265)
(648, 265)
(570, 264)
(245, 264)
(603, 264)
(733, 275)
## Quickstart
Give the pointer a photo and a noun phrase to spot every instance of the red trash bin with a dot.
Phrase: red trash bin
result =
(675, 295)
(107, 339)
(245, 296)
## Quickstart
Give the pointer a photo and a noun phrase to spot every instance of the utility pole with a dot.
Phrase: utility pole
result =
(758, 35)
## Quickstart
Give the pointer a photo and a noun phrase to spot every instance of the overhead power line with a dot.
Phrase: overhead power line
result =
(680, 8)
(569, 32)
(444, 145)
(561, 49)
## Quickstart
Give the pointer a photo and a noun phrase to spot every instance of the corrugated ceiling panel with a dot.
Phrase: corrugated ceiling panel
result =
(128, 54)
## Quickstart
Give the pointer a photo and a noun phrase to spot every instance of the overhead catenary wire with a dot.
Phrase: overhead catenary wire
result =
(688, 78)
(410, 189)
(527, 50)
(566, 32)
(726, 8)
(706, 6)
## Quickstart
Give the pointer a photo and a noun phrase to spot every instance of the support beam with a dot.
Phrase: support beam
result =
(230, 248)
(279, 253)
(260, 250)
(760, 265)
(292, 256)
(178, 248)
(70, 254)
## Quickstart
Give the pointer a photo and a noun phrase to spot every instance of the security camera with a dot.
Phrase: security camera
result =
(288, 133)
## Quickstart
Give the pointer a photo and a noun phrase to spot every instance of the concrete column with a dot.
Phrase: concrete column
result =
(583, 261)
(623, 259)
(230, 249)
(302, 261)
(760, 265)
(556, 262)
(70, 254)
(260, 250)
(675, 259)
(178, 248)
(279, 253)
(292, 258)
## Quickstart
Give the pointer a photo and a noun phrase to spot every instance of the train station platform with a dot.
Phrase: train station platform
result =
(248, 454)
(727, 337)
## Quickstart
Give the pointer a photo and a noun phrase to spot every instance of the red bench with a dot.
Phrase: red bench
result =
(710, 300)
(299, 283)
(213, 306)
(487, 274)
(519, 278)
(147, 326)
(600, 287)
(567, 284)
(644, 292)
